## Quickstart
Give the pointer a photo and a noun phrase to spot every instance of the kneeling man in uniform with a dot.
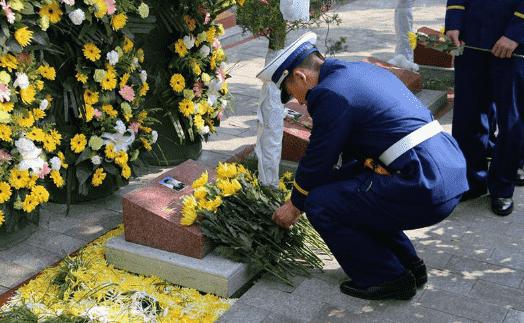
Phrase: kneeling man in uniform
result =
(399, 170)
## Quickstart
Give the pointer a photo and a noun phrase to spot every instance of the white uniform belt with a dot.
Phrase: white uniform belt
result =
(416, 137)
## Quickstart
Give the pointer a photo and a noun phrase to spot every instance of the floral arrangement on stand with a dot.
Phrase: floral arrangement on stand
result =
(235, 211)
(193, 87)
(28, 140)
(84, 288)
(99, 88)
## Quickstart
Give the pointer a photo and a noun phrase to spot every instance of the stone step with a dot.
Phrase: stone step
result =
(214, 273)
(412, 81)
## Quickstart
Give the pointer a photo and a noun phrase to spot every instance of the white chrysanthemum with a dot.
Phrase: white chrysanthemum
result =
(189, 41)
(205, 50)
(112, 57)
(96, 160)
(56, 164)
(21, 81)
(77, 16)
(44, 104)
(204, 130)
(143, 76)
(30, 155)
(155, 135)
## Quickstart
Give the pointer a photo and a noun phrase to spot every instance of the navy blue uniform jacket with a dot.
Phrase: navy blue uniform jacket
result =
(359, 106)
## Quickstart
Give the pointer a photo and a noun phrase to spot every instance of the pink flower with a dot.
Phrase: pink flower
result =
(220, 114)
(69, 2)
(44, 171)
(97, 113)
(198, 87)
(4, 156)
(134, 126)
(4, 93)
(127, 93)
(216, 43)
(10, 15)
(221, 76)
(205, 12)
(264, 2)
(111, 6)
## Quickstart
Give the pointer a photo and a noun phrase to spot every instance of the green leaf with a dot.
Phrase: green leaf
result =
(83, 172)
(13, 45)
(110, 168)
(41, 37)
(86, 154)
(28, 9)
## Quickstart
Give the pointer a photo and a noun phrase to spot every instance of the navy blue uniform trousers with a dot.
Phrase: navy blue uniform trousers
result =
(483, 80)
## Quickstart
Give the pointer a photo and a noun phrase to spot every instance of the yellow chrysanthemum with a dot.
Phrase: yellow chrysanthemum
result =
(36, 134)
(200, 192)
(109, 151)
(5, 133)
(28, 94)
(109, 82)
(47, 71)
(2, 219)
(98, 177)
(26, 121)
(90, 111)
(8, 61)
(144, 89)
(81, 77)
(62, 159)
(57, 178)
(91, 52)
(6, 106)
(201, 181)
(188, 217)
(78, 143)
(146, 144)
(18, 178)
(100, 8)
(240, 2)
(443, 30)
(186, 107)
(128, 44)
(90, 97)
(38, 114)
(228, 187)
(412, 39)
(41, 193)
(5, 192)
(198, 122)
(118, 21)
(107, 108)
(30, 203)
(180, 48)
(212, 205)
(123, 79)
(178, 82)
(24, 36)
(126, 172)
(49, 143)
(52, 11)
(121, 158)
(226, 170)
(39, 84)
(210, 34)
(189, 210)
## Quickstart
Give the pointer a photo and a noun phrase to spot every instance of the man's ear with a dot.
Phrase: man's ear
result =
(300, 75)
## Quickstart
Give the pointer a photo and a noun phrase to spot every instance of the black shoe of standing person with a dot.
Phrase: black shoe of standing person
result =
(402, 288)
(419, 271)
(520, 177)
(502, 205)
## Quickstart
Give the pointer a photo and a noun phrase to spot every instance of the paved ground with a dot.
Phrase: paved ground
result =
(475, 258)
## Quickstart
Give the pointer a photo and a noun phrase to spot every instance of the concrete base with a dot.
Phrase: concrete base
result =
(212, 274)
(433, 100)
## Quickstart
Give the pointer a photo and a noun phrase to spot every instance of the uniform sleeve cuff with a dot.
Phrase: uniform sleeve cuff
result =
(298, 199)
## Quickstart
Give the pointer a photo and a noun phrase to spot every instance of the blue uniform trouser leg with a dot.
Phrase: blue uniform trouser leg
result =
(365, 233)
(471, 123)
(508, 94)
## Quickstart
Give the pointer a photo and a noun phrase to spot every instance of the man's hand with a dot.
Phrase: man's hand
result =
(504, 47)
(286, 215)
(454, 35)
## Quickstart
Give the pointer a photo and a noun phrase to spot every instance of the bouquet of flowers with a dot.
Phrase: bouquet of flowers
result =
(28, 140)
(236, 211)
(442, 43)
(193, 87)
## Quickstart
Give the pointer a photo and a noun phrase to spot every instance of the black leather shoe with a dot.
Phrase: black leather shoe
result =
(520, 177)
(419, 271)
(502, 205)
(473, 194)
(401, 288)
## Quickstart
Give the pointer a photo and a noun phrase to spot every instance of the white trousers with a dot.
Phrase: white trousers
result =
(270, 130)
(403, 24)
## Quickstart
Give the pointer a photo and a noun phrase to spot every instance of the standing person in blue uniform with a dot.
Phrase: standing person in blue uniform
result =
(483, 78)
(359, 109)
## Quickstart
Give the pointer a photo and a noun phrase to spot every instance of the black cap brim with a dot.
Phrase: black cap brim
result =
(284, 96)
